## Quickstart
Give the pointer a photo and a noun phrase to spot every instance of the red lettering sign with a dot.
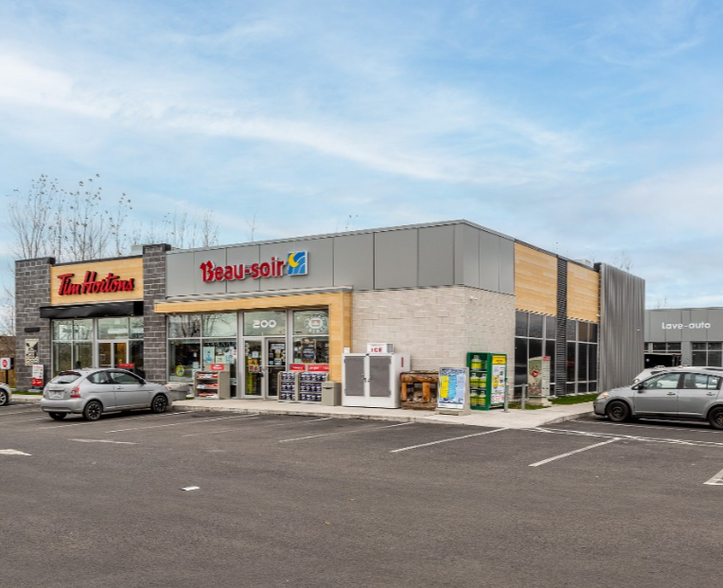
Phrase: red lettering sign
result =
(92, 285)
(320, 367)
(219, 273)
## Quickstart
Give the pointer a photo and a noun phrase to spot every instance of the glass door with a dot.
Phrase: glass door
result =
(253, 366)
(265, 358)
(112, 353)
(275, 363)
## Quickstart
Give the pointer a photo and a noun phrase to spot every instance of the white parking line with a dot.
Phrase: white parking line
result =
(13, 452)
(716, 480)
(103, 441)
(445, 440)
(266, 426)
(197, 421)
(690, 442)
(569, 453)
(360, 430)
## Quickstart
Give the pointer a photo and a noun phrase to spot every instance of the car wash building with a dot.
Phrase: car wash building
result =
(684, 336)
(432, 291)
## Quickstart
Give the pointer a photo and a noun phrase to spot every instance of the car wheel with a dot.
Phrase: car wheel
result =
(715, 417)
(92, 411)
(58, 416)
(618, 412)
(4, 397)
(159, 404)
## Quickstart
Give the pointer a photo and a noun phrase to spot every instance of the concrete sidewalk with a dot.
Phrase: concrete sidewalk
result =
(495, 418)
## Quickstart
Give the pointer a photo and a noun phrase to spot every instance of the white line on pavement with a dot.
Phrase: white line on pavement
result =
(197, 421)
(12, 452)
(360, 430)
(716, 480)
(690, 442)
(103, 441)
(569, 453)
(446, 440)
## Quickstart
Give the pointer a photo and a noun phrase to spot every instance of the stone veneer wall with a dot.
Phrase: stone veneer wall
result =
(155, 343)
(436, 326)
(32, 290)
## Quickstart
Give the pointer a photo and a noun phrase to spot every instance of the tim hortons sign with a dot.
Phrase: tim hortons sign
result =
(92, 285)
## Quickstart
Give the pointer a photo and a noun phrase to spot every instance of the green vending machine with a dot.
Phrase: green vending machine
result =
(487, 379)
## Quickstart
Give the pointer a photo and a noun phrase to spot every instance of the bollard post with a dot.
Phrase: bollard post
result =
(524, 394)
(507, 400)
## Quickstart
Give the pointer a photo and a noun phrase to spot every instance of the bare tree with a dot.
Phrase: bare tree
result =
(623, 260)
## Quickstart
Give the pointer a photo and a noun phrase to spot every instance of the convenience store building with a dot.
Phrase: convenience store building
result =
(435, 291)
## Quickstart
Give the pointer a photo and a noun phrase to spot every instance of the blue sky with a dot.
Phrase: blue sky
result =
(591, 129)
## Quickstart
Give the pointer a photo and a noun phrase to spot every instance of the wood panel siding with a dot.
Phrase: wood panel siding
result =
(583, 293)
(535, 280)
(338, 303)
(129, 268)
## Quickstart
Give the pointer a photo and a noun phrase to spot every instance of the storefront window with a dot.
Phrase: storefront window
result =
(136, 327)
(62, 330)
(183, 358)
(257, 324)
(113, 328)
(311, 350)
(198, 340)
(311, 322)
(72, 344)
(184, 326)
(219, 324)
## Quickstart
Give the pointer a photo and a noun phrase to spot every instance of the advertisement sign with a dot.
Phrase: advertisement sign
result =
(217, 367)
(6, 363)
(319, 367)
(37, 376)
(294, 264)
(31, 351)
(499, 379)
(452, 391)
(380, 347)
(538, 377)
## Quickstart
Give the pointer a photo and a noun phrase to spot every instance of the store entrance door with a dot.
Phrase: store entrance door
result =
(112, 353)
(265, 358)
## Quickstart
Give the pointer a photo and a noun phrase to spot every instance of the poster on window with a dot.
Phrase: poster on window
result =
(538, 377)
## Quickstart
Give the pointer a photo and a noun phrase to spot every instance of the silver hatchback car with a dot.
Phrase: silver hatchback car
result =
(690, 394)
(92, 392)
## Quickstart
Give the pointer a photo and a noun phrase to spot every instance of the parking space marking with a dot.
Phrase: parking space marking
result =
(30, 420)
(445, 440)
(569, 453)
(689, 442)
(646, 427)
(13, 452)
(360, 430)
(104, 441)
(716, 480)
(311, 421)
(190, 422)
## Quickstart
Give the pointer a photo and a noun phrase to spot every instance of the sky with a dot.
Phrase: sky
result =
(593, 130)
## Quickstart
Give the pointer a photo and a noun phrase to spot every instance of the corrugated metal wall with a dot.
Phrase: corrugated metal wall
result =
(622, 322)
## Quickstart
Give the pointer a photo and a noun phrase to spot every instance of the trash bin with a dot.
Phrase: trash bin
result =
(330, 394)
(178, 390)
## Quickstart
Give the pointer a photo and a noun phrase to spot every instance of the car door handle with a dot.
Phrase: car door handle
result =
(672, 393)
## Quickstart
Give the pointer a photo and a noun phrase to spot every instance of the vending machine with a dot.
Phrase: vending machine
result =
(487, 379)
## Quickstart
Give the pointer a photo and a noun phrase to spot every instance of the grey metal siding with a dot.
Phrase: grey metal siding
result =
(466, 256)
(354, 261)
(436, 256)
(622, 317)
(396, 257)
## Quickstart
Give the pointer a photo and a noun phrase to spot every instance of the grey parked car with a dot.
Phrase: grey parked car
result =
(689, 394)
(5, 394)
(91, 392)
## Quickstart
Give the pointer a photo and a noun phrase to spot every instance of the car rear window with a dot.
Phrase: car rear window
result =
(65, 378)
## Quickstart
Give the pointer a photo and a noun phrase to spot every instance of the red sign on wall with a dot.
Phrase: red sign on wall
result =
(319, 367)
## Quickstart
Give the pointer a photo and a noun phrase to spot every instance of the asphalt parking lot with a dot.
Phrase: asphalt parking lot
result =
(212, 499)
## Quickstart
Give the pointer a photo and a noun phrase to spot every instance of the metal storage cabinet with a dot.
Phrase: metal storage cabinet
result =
(372, 380)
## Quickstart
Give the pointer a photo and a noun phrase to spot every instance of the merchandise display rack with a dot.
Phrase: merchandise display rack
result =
(211, 384)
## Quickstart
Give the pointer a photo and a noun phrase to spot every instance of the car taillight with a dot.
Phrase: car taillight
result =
(75, 392)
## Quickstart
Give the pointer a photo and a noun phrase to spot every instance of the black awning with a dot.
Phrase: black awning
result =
(130, 308)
